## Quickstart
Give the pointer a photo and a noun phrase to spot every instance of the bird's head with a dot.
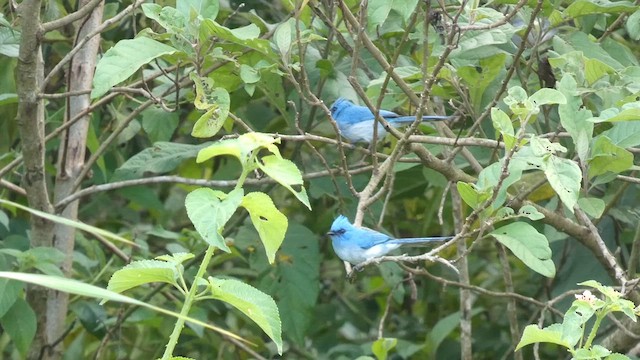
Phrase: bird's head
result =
(339, 226)
(338, 106)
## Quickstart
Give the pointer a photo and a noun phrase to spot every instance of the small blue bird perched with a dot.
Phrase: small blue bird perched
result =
(357, 244)
(356, 122)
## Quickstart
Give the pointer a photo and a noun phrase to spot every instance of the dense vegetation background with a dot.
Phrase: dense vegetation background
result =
(535, 174)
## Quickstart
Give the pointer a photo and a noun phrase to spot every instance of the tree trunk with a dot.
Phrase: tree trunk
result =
(29, 76)
(71, 160)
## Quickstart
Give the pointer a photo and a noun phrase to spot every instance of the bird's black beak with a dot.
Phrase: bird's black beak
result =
(330, 233)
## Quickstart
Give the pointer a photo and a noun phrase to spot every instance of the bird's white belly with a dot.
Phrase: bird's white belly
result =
(362, 131)
(355, 254)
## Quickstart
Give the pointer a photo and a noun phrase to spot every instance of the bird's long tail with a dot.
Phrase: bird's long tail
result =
(406, 119)
(422, 240)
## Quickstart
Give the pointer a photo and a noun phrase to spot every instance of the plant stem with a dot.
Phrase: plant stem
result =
(599, 316)
(188, 301)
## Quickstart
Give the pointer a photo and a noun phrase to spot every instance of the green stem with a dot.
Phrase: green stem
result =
(188, 301)
(599, 316)
(241, 179)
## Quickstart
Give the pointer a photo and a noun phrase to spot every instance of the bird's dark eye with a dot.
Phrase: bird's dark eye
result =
(341, 231)
(333, 109)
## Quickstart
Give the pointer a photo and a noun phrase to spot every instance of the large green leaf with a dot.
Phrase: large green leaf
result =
(240, 147)
(624, 134)
(533, 334)
(471, 195)
(209, 211)
(20, 323)
(246, 36)
(608, 157)
(573, 116)
(378, 10)
(528, 245)
(79, 288)
(143, 272)
(207, 9)
(268, 220)
(565, 177)
(123, 60)
(9, 42)
(217, 103)
(295, 281)
(9, 293)
(287, 174)
(73, 223)
(252, 302)
(502, 123)
(589, 7)
(382, 347)
(161, 158)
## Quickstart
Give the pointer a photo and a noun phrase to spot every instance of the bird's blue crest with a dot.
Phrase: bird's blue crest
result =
(340, 222)
(338, 105)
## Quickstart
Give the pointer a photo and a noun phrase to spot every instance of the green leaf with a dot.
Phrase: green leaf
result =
(123, 60)
(630, 112)
(287, 174)
(381, 347)
(617, 356)
(143, 272)
(625, 134)
(546, 96)
(530, 212)
(20, 324)
(283, 35)
(443, 329)
(73, 223)
(211, 121)
(159, 124)
(594, 352)
(9, 42)
(528, 245)
(595, 69)
(173, 21)
(490, 176)
(483, 44)
(9, 292)
(295, 281)
(502, 124)
(207, 9)
(270, 223)
(209, 211)
(478, 79)
(79, 288)
(533, 334)
(252, 302)
(608, 157)
(378, 10)
(471, 195)
(246, 36)
(249, 74)
(573, 116)
(44, 258)
(161, 158)
(564, 176)
(240, 147)
(176, 258)
(594, 207)
(633, 25)
(588, 7)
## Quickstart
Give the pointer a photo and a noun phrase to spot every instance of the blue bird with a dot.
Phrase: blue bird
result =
(357, 244)
(356, 122)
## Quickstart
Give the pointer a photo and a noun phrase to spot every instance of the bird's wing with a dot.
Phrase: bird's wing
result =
(421, 240)
(388, 114)
(369, 238)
